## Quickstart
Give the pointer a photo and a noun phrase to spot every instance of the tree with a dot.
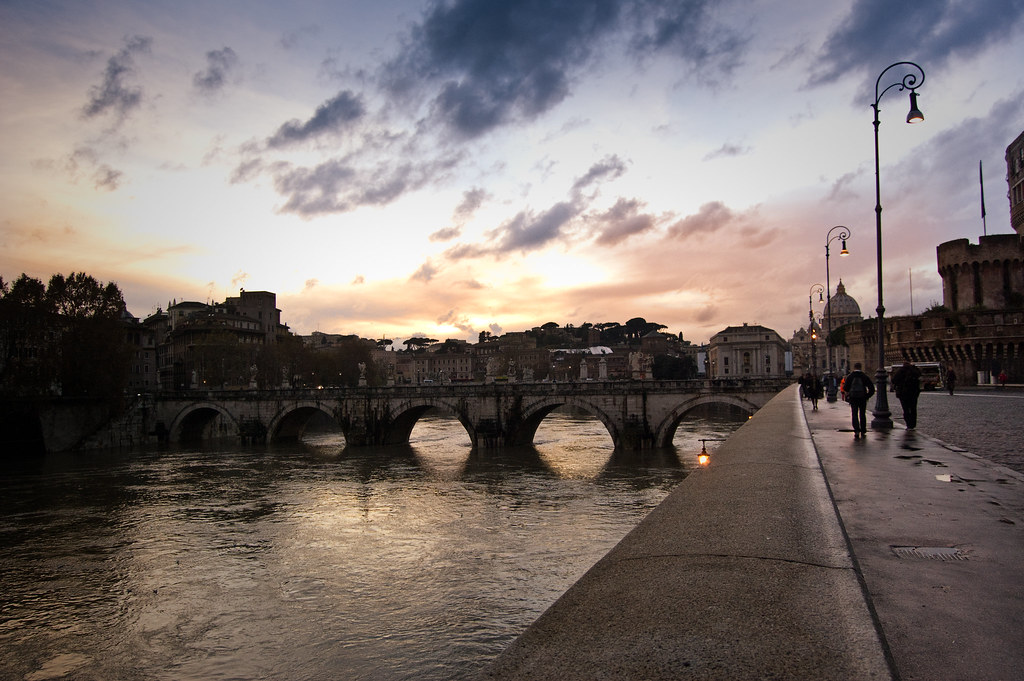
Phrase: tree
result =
(668, 368)
(636, 327)
(419, 342)
(67, 337)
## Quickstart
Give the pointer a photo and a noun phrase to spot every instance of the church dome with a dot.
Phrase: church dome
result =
(842, 307)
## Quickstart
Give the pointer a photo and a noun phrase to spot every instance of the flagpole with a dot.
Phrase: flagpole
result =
(981, 180)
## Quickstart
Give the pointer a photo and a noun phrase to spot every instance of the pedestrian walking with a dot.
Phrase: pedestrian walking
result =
(814, 390)
(859, 389)
(906, 381)
(950, 380)
(1002, 379)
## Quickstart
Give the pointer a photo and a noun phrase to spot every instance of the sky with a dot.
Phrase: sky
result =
(397, 168)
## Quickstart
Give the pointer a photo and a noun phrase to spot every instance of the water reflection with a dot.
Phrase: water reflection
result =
(309, 560)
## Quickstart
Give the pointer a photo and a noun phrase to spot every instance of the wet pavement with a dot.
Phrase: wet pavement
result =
(983, 421)
(936, 532)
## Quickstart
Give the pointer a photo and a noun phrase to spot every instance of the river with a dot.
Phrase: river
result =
(310, 560)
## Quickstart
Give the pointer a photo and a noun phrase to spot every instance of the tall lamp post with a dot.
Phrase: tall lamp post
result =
(819, 289)
(833, 385)
(882, 417)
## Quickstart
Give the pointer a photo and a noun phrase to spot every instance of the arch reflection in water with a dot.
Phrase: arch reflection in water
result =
(312, 560)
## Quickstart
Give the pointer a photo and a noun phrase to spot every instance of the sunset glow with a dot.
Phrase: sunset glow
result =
(402, 167)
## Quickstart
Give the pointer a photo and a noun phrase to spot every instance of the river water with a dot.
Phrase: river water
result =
(311, 561)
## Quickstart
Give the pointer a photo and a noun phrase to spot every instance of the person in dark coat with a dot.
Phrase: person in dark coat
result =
(859, 389)
(813, 390)
(950, 380)
(906, 381)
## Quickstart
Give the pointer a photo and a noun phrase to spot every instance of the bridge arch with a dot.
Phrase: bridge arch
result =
(203, 421)
(666, 430)
(289, 423)
(536, 411)
(407, 413)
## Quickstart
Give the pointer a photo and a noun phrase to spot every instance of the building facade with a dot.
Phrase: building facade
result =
(748, 351)
(1015, 180)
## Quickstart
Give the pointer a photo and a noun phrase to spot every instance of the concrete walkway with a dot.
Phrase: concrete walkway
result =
(938, 537)
(747, 571)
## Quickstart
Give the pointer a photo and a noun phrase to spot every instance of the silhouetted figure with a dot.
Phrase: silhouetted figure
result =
(950, 380)
(859, 389)
(906, 381)
(814, 390)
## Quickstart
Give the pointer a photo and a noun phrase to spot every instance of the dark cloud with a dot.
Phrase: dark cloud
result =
(425, 273)
(471, 201)
(609, 168)
(107, 178)
(446, 234)
(114, 94)
(219, 64)
(622, 221)
(332, 117)
(686, 29)
(528, 231)
(929, 33)
(497, 63)
(711, 217)
(727, 150)
(340, 185)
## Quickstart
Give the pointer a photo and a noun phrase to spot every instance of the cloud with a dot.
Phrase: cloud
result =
(622, 221)
(528, 231)
(291, 39)
(445, 234)
(711, 217)
(114, 94)
(499, 63)
(107, 178)
(531, 230)
(219, 64)
(334, 116)
(425, 273)
(727, 150)
(842, 188)
(609, 168)
(340, 185)
(472, 199)
(686, 29)
(930, 33)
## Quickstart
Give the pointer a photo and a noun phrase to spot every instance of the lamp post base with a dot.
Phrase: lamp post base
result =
(882, 420)
(882, 417)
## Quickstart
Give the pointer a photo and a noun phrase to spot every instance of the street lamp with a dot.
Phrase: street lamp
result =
(833, 384)
(882, 417)
(819, 289)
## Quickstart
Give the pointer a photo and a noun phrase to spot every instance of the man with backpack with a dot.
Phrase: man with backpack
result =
(859, 389)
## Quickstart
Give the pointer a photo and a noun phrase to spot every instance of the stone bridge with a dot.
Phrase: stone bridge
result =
(637, 414)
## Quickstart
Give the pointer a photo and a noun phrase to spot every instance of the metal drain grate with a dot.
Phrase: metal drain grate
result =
(930, 552)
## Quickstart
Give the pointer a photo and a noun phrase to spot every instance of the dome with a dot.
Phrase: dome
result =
(842, 307)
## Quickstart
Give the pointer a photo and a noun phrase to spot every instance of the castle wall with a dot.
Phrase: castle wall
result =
(989, 274)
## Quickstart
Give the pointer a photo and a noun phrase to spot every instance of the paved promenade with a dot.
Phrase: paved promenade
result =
(803, 553)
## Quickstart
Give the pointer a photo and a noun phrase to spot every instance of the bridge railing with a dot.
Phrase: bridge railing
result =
(700, 385)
